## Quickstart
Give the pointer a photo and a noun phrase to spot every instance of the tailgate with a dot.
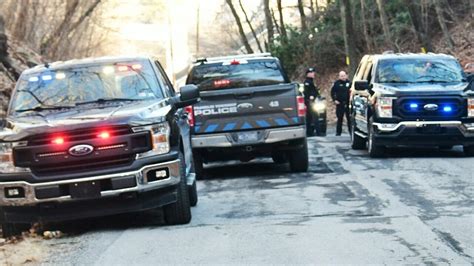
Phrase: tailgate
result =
(247, 109)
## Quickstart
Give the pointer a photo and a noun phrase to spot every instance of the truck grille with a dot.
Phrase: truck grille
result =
(47, 158)
(447, 108)
(78, 135)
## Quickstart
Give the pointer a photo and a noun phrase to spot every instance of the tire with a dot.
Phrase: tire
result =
(469, 151)
(322, 127)
(193, 195)
(310, 131)
(357, 142)
(299, 159)
(198, 165)
(375, 151)
(179, 212)
(12, 229)
(279, 158)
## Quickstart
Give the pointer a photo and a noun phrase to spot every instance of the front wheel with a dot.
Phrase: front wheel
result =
(469, 151)
(193, 195)
(357, 142)
(375, 150)
(13, 229)
(179, 212)
(198, 165)
(298, 158)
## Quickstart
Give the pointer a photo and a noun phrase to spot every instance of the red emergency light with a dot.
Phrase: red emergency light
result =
(58, 140)
(104, 134)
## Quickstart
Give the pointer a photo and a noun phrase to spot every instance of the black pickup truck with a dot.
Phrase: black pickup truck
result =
(411, 100)
(248, 109)
(96, 137)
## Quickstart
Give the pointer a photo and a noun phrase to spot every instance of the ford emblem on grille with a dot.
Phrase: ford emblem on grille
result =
(81, 150)
(431, 107)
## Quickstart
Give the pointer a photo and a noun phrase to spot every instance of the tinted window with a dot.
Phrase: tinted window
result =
(67, 87)
(228, 76)
(418, 70)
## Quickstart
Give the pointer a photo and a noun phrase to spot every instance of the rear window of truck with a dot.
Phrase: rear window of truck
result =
(236, 74)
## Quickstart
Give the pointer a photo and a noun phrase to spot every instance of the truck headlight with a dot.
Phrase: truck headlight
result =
(470, 107)
(6, 159)
(384, 106)
(160, 135)
(319, 107)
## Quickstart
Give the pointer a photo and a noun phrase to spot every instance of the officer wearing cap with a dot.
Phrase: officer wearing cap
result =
(310, 93)
(340, 93)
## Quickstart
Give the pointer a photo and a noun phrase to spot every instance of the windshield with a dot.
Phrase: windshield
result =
(236, 75)
(418, 71)
(66, 88)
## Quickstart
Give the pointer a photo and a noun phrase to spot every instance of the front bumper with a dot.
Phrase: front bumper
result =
(267, 136)
(111, 185)
(424, 133)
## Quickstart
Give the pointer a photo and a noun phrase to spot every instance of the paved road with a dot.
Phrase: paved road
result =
(414, 207)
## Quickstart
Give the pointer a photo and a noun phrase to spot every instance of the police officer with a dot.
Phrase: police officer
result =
(310, 93)
(340, 95)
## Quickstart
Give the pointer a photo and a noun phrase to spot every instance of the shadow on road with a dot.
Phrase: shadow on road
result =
(414, 152)
(235, 169)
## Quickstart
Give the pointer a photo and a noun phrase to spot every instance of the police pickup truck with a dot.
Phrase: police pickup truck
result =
(95, 137)
(411, 100)
(248, 109)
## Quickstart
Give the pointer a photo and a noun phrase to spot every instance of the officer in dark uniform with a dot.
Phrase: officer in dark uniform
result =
(310, 93)
(340, 93)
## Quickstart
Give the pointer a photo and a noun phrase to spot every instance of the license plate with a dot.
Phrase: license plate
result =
(247, 136)
(85, 190)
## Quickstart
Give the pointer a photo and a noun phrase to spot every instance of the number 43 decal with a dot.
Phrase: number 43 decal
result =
(274, 104)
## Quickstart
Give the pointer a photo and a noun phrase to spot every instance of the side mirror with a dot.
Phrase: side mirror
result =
(188, 95)
(361, 85)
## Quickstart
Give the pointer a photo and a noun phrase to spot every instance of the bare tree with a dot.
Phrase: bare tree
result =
(268, 21)
(67, 26)
(384, 22)
(368, 41)
(243, 37)
(282, 22)
(251, 27)
(415, 16)
(442, 24)
(304, 27)
(349, 38)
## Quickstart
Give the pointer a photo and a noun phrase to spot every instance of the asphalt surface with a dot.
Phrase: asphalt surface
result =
(416, 206)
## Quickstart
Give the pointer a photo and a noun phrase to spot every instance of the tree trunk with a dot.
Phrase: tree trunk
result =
(385, 26)
(304, 27)
(71, 7)
(421, 35)
(69, 30)
(442, 24)
(268, 21)
(311, 8)
(243, 37)
(284, 36)
(349, 38)
(275, 22)
(19, 28)
(251, 27)
(368, 41)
